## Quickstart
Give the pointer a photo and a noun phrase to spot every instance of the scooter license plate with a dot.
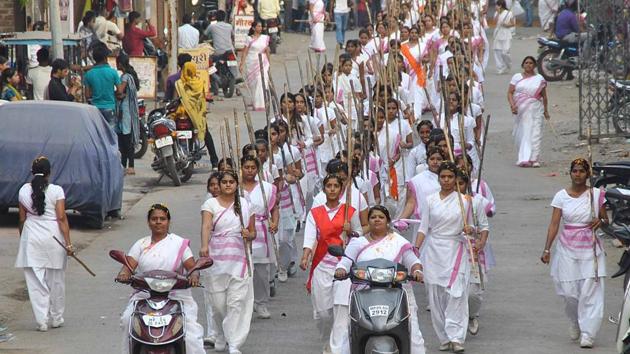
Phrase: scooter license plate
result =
(163, 141)
(157, 321)
(184, 134)
(273, 30)
(232, 63)
(212, 70)
(379, 311)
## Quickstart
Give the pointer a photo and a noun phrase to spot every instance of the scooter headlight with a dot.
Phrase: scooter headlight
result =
(381, 275)
(161, 285)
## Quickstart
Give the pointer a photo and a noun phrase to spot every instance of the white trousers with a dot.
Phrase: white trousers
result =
(417, 340)
(449, 314)
(194, 331)
(503, 59)
(262, 276)
(47, 292)
(340, 338)
(583, 303)
(475, 299)
(232, 307)
(207, 302)
(322, 299)
(286, 247)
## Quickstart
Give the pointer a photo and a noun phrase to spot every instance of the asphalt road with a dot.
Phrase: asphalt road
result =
(521, 314)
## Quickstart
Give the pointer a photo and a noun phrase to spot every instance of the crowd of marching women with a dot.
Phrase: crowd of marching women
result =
(380, 151)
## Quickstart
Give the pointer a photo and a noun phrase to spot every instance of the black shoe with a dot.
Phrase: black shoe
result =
(272, 288)
(298, 226)
(238, 81)
(292, 271)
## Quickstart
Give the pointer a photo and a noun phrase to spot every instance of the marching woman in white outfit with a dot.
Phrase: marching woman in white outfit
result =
(42, 217)
(262, 247)
(163, 250)
(578, 262)
(502, 42)
(446, 257)
(381, 242)
(324, 227)
(227, 222)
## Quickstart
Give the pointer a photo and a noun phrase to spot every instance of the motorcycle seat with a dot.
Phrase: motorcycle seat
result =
(622, 85)
(618, 194)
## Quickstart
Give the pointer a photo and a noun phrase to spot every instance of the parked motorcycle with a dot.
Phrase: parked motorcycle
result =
(271, 28)
(222, 76)
(619, 105)
(141, 146)
(157, 324)
(170, 158)
(612, 173)
(379, 315)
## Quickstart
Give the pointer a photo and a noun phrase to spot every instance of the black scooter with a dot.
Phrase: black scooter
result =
(379, 314)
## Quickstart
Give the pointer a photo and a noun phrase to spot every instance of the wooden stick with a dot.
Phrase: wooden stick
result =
(223, 156)
(592, 202)
(252, 139)
(76, 258)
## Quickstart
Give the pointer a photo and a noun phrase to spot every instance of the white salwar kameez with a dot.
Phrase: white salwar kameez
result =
(528, 122)
(485, 258)
(502, 41)
(291, 207)
(395, 248)
(572, 262)
(421, 186)
(446, 266)
(328, 295)
(169, 254)
(43, 260)
(399, 130)
(263, 254)
(318, 17)
(230, 288)
(330, 147)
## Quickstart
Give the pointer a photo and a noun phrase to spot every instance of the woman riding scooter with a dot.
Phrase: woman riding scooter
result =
(382, 242)
(163, 251)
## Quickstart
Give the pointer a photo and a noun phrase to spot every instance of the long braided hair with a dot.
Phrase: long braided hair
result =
(40, 170)
(237, 200)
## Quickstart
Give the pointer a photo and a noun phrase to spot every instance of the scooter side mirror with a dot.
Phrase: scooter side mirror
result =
(120, 257)
(202, 263)
(335, 250)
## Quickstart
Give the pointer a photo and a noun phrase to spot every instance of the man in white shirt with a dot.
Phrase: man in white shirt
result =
(187, 35)
(107, 32)
(39, 76)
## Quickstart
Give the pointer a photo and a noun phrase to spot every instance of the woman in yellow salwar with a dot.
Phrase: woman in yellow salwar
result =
(192, 91)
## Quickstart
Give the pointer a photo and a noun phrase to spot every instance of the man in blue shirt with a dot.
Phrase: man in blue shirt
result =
(102, 85)
(567, 27)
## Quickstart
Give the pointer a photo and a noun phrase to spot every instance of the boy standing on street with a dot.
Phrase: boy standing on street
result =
(102, 85)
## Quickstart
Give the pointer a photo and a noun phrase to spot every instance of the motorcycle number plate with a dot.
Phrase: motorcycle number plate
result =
(232, 63)
(184, 134)
(163, 141)
(379, 310)
(212, 70)
(273, 30)
(157, 321)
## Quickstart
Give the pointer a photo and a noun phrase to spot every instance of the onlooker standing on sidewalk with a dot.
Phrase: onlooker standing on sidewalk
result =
(39, 76)
(128, 127)
(187, 35)
(529, 12)
(133, 42)
(99, 85)
(342, 12)
(9, 81)
(56, 89)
